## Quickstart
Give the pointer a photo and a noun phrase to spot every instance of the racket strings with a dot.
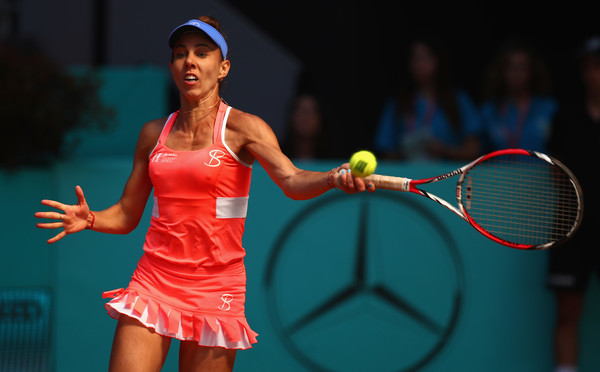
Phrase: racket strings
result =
(547, 196)
(521, 199)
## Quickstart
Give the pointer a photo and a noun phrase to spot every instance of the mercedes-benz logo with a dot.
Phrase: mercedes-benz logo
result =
(386, 289)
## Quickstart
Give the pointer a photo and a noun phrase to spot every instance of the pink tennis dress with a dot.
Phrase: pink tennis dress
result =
(190, 283)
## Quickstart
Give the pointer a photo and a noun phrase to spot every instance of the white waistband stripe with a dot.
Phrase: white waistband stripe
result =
(232, 207)
(155, 212)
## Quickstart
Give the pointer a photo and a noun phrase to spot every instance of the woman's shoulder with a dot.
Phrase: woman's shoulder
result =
(157, 123)
(239, 120)
(151, 130)
(155, 126)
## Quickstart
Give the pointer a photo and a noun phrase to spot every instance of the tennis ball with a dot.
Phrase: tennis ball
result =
(362, 163)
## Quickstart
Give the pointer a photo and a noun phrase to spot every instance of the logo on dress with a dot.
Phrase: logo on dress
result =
(226, 298)
(163, 157)
(215, 156)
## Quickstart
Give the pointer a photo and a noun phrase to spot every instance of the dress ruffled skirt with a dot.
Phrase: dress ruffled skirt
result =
(205, 305)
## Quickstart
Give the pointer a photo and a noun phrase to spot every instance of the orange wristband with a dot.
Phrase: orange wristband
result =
(93, 220)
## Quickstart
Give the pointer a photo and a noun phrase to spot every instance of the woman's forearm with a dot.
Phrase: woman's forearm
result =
(305, 184)
(114, 220)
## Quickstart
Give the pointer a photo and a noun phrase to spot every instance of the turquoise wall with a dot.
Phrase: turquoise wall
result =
(435, 293)
(368, 282)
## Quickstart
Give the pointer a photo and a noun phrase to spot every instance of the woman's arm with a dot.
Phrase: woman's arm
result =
(122, 217)
(257, 141)
(125, 215)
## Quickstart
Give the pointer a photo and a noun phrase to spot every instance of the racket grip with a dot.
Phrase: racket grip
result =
(389, 182)
(384, 182)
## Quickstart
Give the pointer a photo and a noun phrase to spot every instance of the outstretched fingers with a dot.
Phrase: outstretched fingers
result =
(50, 215)
(80, 196)
(49, 225)
(58, 237)
(72, 218)
(54, 204)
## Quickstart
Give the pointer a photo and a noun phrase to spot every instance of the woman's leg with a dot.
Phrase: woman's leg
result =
(137, 348)
(196, 358)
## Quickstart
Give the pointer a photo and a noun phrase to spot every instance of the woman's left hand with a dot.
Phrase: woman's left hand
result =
(74, 218)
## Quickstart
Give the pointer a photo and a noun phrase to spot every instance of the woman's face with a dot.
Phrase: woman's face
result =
(423, 64)
(197, 66)
(517, 71)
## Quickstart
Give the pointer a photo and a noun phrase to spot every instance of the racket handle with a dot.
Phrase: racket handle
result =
(385, 182)
(389, 182)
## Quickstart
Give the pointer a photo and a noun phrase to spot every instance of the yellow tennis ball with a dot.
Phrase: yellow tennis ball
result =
(363, 163)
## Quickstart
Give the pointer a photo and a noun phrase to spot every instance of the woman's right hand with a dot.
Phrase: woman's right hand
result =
(74, 218)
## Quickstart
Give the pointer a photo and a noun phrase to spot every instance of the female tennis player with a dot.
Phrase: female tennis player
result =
(190, 283)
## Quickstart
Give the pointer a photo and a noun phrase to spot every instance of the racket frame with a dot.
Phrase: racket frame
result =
(410, 185)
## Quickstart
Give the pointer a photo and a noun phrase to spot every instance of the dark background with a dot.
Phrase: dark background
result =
(351, 50)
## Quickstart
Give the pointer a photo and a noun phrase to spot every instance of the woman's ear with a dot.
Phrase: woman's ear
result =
(224, 70)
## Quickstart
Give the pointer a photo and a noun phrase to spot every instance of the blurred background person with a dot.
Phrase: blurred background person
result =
(575, 136)
(518, 108)
(428, 117)
(306, 137)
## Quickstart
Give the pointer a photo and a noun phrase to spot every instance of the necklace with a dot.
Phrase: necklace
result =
(208, 108)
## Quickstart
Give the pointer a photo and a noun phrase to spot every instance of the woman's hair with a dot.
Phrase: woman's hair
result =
(443, 80)
(211, 21)
(494, 82)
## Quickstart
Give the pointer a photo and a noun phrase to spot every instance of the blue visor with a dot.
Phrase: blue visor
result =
(195, 25)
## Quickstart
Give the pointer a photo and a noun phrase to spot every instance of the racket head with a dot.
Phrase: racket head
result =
(520, 198)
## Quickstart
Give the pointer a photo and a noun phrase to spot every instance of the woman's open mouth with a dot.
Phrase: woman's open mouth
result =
(190, 78)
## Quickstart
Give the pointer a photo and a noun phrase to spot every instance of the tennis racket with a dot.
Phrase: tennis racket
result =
(519, 198)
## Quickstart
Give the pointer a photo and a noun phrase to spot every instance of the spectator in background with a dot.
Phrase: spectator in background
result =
(428, 117)
(575, 135)
(518, 109)
(306, 137)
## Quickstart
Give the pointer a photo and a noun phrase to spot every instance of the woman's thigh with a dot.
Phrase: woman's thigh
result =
(196, 358)
(137, 348)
